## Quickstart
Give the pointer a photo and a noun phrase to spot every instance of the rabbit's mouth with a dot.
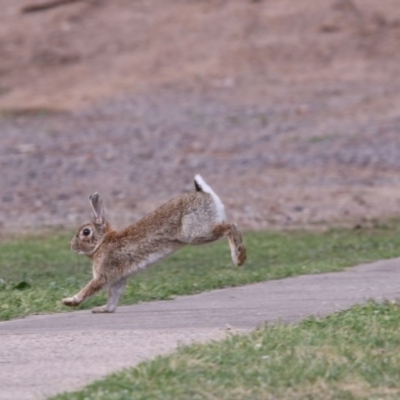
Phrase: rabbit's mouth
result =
(75, 248)
(79, 251)
(85, 249)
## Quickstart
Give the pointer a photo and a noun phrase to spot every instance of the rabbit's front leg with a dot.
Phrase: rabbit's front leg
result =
(94, 286)
(114, 292)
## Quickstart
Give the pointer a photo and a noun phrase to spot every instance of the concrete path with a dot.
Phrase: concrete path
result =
(47, 354)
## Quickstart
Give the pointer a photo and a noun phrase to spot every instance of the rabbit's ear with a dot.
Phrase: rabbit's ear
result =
(96, 203)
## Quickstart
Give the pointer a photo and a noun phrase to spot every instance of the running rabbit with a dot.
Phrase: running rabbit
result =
(193, 218)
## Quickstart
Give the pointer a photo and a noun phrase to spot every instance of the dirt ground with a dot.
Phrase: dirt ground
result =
(289, 109)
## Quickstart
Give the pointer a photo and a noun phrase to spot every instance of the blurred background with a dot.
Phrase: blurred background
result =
(289, 109)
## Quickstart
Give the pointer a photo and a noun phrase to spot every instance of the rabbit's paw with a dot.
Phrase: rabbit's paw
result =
(241, 256)
(71, 301)
(102, 309)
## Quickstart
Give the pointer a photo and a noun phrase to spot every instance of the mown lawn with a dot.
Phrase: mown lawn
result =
(349, 355)
(37, 272)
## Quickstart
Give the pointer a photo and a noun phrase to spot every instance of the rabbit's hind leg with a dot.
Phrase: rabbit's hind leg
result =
(234, 236)
(114, 293)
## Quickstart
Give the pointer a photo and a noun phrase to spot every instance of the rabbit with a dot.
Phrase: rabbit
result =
(195, 217)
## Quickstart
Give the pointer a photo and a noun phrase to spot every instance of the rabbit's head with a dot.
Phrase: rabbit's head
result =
(89, 236)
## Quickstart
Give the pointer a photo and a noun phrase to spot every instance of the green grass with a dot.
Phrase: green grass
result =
(37, 272)
(349, 355)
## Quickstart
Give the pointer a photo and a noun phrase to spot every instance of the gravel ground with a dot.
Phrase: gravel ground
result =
(273, 164)
(290, 112)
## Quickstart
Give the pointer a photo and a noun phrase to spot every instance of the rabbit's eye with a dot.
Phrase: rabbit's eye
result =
(86, 232)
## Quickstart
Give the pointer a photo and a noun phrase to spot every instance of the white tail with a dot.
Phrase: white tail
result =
(201, 184)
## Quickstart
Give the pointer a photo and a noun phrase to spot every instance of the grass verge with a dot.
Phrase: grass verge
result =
(37, 272)
(349, 355)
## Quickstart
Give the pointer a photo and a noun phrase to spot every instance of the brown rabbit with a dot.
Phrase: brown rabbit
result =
(193, 218)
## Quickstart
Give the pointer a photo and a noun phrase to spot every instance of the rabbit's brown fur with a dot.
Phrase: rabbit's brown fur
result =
(193, 218)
